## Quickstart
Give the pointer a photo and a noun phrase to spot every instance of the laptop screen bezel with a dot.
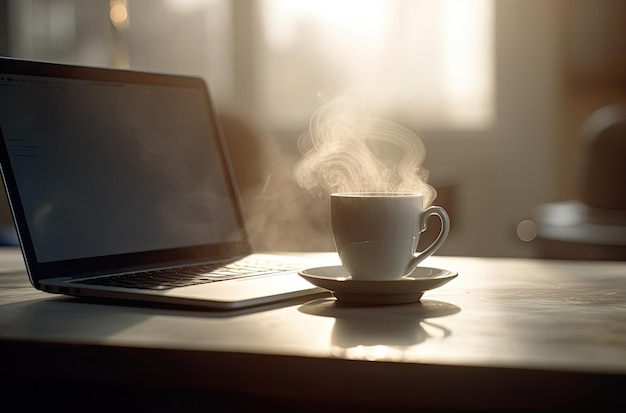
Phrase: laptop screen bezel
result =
(122, 262)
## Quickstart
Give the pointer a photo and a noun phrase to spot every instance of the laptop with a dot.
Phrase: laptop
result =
(121, 187)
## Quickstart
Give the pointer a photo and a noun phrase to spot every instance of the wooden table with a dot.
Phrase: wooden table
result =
(505, 334)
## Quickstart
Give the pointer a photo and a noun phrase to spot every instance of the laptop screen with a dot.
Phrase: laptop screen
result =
(107, 163)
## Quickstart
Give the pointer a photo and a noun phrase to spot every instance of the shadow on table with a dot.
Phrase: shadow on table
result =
(64, 316)
(381, 332)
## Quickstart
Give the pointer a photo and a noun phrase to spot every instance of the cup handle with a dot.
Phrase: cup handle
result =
(443, 234)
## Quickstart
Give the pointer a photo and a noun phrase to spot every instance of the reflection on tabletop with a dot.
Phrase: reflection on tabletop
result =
(381, 332)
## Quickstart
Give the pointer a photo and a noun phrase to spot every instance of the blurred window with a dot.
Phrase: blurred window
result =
(429, 62)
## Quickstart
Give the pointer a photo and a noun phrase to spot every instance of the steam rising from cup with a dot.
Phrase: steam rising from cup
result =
(347, 149)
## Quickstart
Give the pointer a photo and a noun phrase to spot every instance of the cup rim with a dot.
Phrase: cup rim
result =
(376, 194)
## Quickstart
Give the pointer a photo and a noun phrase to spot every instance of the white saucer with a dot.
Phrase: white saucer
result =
(407, 289)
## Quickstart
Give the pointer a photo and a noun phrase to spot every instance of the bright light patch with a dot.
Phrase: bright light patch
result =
(429, 62)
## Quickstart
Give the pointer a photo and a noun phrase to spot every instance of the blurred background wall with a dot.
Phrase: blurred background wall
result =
(497, 90)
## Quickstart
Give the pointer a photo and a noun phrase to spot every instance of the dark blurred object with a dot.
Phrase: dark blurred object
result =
(593, 227)
(603, 172)
(573, 230)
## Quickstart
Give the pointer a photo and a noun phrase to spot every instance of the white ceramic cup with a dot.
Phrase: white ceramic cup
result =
(376, 233)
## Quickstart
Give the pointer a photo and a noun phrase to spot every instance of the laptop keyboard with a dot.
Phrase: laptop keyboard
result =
(200, 274)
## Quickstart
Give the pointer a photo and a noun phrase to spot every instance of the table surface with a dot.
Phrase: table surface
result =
(506, 333)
